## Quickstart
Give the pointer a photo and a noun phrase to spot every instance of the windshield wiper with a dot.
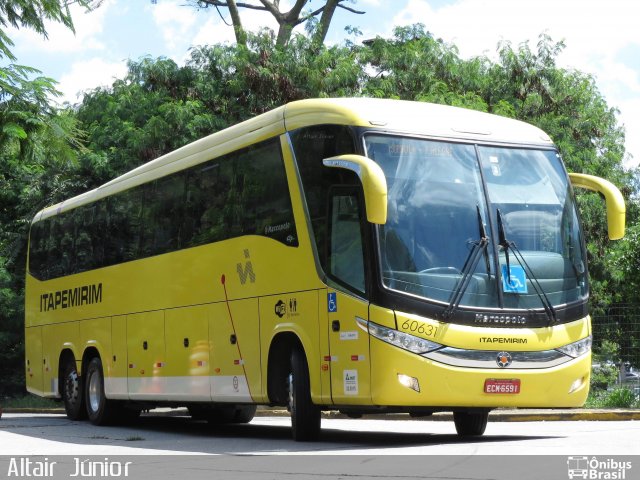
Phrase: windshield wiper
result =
(479, 248)
(509, 245)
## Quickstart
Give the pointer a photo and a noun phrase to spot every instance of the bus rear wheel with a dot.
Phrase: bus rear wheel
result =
(305, 416)
(470, 424)
(72, 391)
(100, 410)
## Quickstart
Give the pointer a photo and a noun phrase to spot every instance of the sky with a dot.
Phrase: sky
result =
(602, 38)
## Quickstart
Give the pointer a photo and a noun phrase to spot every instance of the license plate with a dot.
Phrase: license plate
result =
(495, 385)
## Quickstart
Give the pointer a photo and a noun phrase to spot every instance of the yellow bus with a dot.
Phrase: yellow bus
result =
(358, 255)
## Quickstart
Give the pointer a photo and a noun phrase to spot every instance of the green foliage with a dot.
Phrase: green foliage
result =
(604, 371)
(220, 85)
(32, 15)
(30, 401)
(47, 155)
(38, 152)
(620, 397)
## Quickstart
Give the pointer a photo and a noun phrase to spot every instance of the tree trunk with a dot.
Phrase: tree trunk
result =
(287, 21)
(241, 36)
(325, 21)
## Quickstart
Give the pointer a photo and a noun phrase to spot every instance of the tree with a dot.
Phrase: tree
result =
(219, 86)
(287, 21)
(127, 124)
(33, 14)
(38, 157)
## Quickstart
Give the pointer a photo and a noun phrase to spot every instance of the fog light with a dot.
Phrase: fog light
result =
(409, 382)
(576, 384)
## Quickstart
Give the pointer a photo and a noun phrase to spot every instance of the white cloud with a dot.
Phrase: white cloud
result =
(87, 75)
(88, 26)
(592, 27)
(215, 30)
(630, 118)
(175, 20)
(595, 32)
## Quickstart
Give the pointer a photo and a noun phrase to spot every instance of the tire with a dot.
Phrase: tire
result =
(72, 391)
(100, 410)
(470, 424)
(223, 414)
(245, 413)
(305, 416)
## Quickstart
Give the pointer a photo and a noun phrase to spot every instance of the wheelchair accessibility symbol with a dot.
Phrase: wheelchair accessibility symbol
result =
(515, 281)
(332, 302)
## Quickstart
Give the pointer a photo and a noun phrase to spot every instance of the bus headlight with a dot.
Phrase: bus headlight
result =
(399, 339)
(576, 349)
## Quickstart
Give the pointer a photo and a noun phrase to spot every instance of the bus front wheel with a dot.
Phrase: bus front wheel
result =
(470, 424)
(72, 391)
(223, 414)
(305, 416)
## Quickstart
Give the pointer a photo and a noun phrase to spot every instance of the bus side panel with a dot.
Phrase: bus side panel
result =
(349, 347)
(55, 338)
(187, 345)
(235, 341)
(96, 333)
(115, 381)
(295, 312)
(146, 356)
(33, 354)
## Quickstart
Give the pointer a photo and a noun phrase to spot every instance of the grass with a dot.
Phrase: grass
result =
(134, 438)
(29, 401)
(619, 397)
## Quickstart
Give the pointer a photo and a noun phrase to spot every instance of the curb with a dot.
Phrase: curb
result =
(498, 415)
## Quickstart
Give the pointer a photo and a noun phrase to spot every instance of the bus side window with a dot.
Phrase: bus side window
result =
(265, 199)
(162, 215)
(206, 202)
(38, 249)
(85, 237)
(346, 254)
(311, 145)
(124, 226)
(53, 247)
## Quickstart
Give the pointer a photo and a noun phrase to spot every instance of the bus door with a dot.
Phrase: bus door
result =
(348, 343)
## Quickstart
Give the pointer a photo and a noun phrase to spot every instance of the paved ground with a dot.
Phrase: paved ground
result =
(499, 415)
(54, 434)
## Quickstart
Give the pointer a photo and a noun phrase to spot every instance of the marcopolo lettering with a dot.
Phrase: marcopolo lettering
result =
(72, 297)
(500, 319)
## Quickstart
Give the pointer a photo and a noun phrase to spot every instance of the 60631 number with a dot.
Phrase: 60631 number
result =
(415, 326)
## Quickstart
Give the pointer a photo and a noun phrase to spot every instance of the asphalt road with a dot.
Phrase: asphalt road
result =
(54, 434)
(36, 445)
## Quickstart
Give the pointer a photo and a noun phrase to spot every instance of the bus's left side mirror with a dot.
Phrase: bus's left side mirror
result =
(373, 182)
(615, 202)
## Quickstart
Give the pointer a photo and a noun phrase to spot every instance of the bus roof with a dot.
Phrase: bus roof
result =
(421, 118)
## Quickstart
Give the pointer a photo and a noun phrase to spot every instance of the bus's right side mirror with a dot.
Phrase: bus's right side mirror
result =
(373, 182)
(615, 202)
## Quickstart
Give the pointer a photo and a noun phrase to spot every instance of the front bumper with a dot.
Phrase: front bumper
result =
(442, 385)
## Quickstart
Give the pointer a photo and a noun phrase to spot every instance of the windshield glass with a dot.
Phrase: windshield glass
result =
(443, 198)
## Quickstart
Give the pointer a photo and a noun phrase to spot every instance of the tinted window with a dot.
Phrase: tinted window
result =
(346, 253)
(244, 193)
(312, 145)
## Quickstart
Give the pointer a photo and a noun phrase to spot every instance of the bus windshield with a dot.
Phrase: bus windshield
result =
(495, 227)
